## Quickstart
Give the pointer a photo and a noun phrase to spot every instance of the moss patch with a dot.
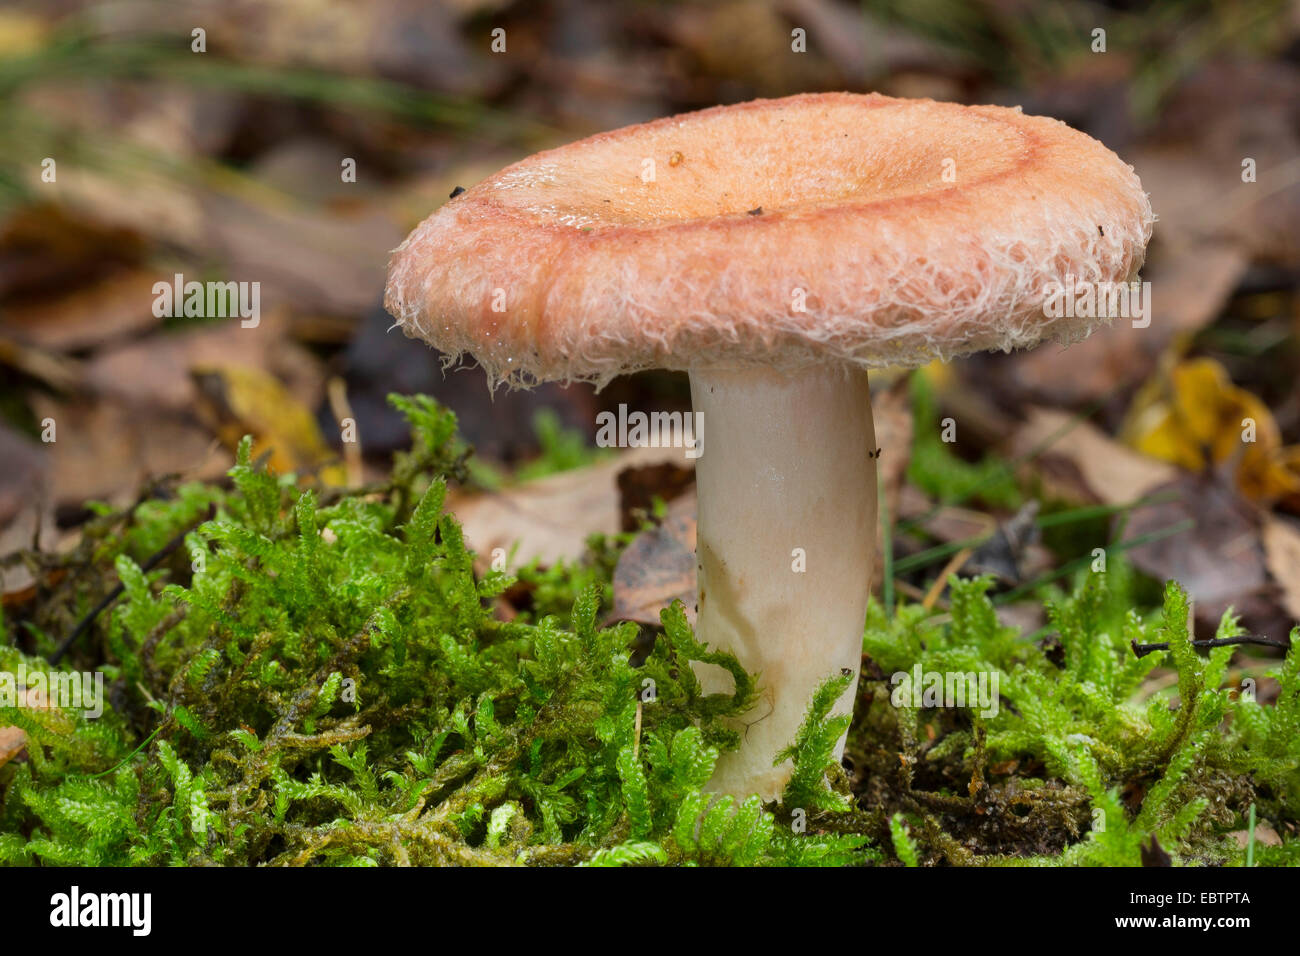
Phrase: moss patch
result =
(323, 678)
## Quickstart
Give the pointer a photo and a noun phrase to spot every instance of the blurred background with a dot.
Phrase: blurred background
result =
(294, 143)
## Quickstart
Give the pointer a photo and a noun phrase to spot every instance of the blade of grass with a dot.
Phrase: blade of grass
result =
(933, 555)
(887, 586)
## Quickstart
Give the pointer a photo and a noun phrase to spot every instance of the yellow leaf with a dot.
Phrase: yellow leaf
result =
(21, 34)
(1194, 415)
(238, 400)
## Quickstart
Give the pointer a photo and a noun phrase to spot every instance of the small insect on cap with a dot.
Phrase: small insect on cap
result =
(826, 228)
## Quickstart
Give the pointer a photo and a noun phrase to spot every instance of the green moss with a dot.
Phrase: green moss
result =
(320, 677)
(1114, 761)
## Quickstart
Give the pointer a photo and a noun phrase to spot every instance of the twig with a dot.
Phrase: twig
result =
(1142, 650)
(940, 582)
(337, 390)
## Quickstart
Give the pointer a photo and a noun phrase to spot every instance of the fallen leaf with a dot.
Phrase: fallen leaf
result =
(58, 372)
(551, 518)
(658, 567)
(24, 504)
(1079, 462)
(1218, 559)
(1282, 557)
(105, 450)
(1194, 171)
(311, 260)
(1265, 835)
(45, 249)
(1025, 617)
(12, 742)
(116, 307)
(891, 413)
(943, 523)
(749, 43)
(23, 475)
(153, 372)
(1194, 415)
(141, 201)
(238, 400)
(1011, 554)
(865, 47)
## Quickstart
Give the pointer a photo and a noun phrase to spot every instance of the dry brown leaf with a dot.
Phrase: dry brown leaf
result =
(14, 739)
(154, 372)
(865, 47)
(639, 487)
(24, 508)
(552, 517)
(57, 371)
(1195, 172)
(747, 41)
(891, 411)
(1282, 556)
(1083, 463)
(45, 249)
(658, 567)
(1265, 835)
(116, 307)
(945, 523)
(1219, 559)
(147, 204)
(104, 450)
(12, 742)
(312, 260)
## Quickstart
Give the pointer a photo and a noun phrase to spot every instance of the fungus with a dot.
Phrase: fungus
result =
(892, 232)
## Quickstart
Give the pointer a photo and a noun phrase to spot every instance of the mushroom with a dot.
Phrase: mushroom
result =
(776, 250)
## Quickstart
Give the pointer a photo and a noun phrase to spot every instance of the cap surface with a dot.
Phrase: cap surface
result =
(818, 228)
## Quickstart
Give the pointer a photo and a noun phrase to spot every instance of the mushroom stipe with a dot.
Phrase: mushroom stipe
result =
(922, 230)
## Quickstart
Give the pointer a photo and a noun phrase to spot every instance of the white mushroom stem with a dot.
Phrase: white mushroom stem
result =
(785, 543)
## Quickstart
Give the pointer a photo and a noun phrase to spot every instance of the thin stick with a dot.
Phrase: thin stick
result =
(887, 545)
(337, 390)
(952, 567)
(1142, 650)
